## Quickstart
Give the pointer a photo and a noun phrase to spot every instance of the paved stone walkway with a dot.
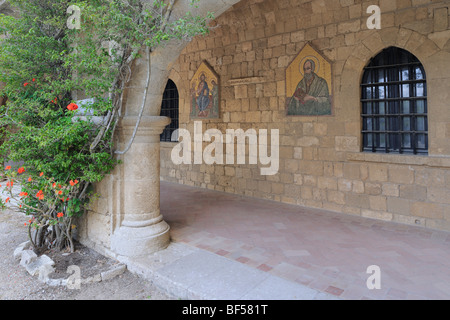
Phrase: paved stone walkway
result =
(324, 251)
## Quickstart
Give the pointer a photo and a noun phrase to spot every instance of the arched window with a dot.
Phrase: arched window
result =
(169, 108)
(394, 104)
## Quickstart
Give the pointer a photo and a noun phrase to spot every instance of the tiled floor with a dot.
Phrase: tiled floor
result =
(323, 250)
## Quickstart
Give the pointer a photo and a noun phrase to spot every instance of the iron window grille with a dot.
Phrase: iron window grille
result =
(394, 104)
(170, 109)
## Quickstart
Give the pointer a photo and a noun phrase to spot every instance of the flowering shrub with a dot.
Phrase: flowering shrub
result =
(49, 204)
(43, 63)
(59, 167)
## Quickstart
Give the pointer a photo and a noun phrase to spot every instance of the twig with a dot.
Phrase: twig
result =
(141, 111)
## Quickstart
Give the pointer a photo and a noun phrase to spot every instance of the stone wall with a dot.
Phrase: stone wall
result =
(321, 163)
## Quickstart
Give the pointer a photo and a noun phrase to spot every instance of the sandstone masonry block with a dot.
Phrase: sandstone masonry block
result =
(398, 205)
(386, 216)
(401, 174)
(372, 188)
(390, 189)
(427, 210)
(414, 192)
(378, 203)
(346, 143)
(378, 172)
(440, 19)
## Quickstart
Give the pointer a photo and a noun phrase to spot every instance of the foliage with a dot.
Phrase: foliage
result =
(43, 63)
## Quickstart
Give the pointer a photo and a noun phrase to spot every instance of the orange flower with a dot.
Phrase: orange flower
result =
(72, 107)
(10, 183)
(8, 167)
(54, 184)
(41, 174)
(23, 194)
(29, 179)
(60, 214)
(60, 192)
(21, 170)
(34, 79)
(40, 195)
(6, 200)
(72, 182)
(25, 84)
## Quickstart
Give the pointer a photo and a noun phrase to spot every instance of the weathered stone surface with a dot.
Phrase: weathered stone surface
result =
(44, 271)
(440, 19)
(27, 257)
(113, 272)
(40, 263)
(93, 279)
(19, 250)
(56, 282)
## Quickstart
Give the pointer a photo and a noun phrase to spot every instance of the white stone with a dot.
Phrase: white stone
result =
(44, 272)
(27, 257)
(56, 282)
(113, 272)
(23, 246)
(42, 262)
(93, 279)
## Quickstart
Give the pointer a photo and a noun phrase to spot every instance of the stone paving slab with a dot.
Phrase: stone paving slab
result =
(192, 273)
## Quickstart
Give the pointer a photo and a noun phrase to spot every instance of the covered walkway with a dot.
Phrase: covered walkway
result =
(326, 251)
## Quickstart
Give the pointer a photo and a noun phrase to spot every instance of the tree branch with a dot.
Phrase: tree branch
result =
(144, 100)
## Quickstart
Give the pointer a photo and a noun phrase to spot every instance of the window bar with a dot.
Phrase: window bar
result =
(372, 112)
(413, 93)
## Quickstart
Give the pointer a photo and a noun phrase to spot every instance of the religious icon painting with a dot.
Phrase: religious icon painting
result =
(309, 84)
(204, 90)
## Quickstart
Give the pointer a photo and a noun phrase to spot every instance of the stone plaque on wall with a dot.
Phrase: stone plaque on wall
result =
(205, 95)
(309, 84)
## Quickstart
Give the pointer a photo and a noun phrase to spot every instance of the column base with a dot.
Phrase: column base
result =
(140, 241)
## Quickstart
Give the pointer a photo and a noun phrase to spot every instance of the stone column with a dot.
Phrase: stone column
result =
(142, 230)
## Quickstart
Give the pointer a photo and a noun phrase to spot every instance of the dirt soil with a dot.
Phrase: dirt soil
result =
(17, 284)
(90, 262)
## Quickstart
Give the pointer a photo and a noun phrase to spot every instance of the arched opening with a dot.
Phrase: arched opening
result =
(170, 109)
(394, 104)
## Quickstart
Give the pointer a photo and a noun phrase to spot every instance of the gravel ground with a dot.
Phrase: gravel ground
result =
(17, 284)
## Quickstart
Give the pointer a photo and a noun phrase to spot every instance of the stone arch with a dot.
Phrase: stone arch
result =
(370, 45)
(163, 59)
(177, 79)
(375, 41)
